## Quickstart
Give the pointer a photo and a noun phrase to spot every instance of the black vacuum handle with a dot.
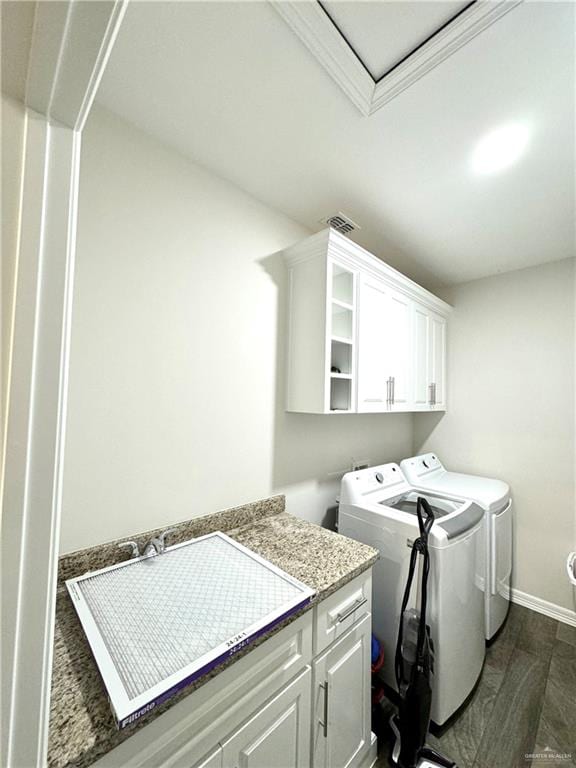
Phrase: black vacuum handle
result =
(424, 524)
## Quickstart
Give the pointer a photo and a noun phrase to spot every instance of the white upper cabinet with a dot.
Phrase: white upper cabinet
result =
(384, 347)
(438, 362)
(429, 360)
(422, 377)
(363, 338)
(399, 350)
(374, 385)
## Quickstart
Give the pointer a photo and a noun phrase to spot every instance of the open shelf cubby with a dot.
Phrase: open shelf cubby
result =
(342, 285)
(342, 321)
(340, 394)
(340, 357)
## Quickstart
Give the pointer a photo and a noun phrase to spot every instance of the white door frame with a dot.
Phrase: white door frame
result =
(70, 47)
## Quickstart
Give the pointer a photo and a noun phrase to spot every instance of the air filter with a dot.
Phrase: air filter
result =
(155, 624)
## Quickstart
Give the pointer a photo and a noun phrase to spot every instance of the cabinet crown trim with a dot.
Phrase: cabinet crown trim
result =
(329, 243)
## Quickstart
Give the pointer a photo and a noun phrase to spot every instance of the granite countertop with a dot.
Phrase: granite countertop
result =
(82, 727)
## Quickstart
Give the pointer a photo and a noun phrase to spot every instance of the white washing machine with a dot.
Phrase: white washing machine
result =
(378, 507)
(427, 473)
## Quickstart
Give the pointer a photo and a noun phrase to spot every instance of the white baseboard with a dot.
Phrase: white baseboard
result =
(565, 615)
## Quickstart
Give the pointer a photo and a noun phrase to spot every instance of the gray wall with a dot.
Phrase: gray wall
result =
(176, 403)
(511, 410)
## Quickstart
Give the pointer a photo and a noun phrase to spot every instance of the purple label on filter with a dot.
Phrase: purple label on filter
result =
(238, 642)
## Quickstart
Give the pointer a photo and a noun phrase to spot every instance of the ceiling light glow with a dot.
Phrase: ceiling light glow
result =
(500, 148)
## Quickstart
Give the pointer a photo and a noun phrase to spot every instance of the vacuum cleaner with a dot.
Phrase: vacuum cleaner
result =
(414, 662)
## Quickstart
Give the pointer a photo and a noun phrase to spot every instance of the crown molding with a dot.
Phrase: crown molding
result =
(328, 243)
(322, 38)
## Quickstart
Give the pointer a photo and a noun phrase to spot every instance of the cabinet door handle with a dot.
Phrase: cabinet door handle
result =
(354, 607)
(434, 393)
(430, 396)
(393, 380)
(324, 722)
(389, 391)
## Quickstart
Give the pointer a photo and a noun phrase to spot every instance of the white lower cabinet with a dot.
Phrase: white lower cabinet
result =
(300, 699)
(278, 735)
(341, 700)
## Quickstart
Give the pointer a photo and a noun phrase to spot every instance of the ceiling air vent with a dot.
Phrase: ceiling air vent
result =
(341, 223)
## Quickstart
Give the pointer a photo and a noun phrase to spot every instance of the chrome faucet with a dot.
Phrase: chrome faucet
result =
(155, 546)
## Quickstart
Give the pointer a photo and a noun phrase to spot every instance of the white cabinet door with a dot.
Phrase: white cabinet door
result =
(341, 701)
(278, 734)
(384, 348)
(399, 349)
(438, 361)
(421, 378)
(373, 365)
(429, 359)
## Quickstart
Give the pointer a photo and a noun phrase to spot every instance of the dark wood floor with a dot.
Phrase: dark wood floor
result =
(525, 702)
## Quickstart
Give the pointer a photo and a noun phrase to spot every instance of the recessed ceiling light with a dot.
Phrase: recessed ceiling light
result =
(500, 148)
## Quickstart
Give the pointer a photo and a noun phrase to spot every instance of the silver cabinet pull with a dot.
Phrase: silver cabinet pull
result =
(324, 722)
(340, 617)
(393, 380)
(434, 393)
(389, 391)
(431, 396)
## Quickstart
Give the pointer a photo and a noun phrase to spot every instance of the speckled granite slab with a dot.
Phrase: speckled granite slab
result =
(92, 559)
(82, 728)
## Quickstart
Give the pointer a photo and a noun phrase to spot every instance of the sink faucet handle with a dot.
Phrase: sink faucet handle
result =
(134, 545)
(162, 537)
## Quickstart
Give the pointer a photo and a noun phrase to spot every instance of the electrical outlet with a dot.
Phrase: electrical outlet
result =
(358, 464)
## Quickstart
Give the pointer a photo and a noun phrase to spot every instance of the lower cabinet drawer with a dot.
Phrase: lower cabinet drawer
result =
(337, 613)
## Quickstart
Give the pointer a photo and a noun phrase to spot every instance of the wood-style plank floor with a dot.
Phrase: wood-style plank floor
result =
(523, 712)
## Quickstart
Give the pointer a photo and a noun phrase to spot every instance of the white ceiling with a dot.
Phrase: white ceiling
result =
(383, 33)
(229, 85)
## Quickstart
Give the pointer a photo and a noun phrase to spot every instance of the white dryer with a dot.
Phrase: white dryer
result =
(427, 473)
(378, 507)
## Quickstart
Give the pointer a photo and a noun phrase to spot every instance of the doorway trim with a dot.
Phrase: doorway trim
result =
(71, 43)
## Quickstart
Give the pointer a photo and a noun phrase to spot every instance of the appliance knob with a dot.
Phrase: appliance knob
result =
(379, 477)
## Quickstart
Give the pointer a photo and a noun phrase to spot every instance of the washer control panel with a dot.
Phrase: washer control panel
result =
(418, 466)
(367, 481)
